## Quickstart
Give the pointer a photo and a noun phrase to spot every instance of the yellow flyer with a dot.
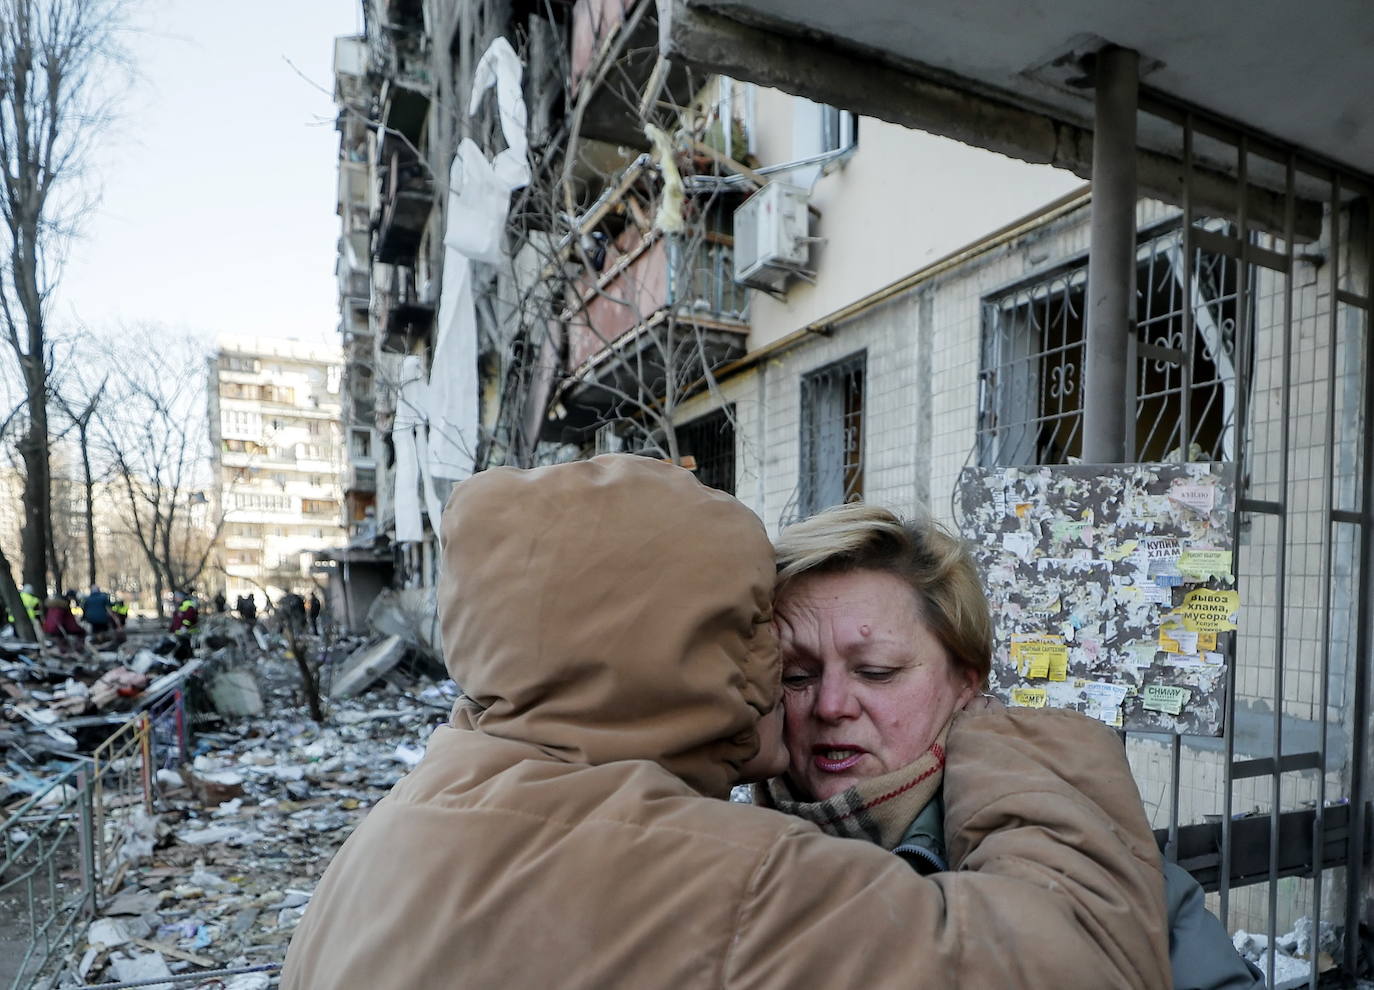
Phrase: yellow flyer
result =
(1207, 610)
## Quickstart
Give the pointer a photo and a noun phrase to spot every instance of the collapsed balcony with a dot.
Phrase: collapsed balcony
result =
(407, 197)
(614, 52)
(655, 321)
(406, 317)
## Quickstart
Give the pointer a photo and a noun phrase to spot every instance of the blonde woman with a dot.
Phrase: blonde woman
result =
(885, 638)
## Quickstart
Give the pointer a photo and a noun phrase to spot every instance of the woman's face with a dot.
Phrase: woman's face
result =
(866, 686)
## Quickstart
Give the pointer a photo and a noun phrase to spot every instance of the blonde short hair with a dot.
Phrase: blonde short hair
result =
(936, 563)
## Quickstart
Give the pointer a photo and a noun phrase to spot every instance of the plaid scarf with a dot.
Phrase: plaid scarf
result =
(876, 809)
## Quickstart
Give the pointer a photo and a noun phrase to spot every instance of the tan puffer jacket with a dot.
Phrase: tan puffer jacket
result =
(610, 621)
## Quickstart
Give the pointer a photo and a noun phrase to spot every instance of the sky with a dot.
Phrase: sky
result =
(217, 211)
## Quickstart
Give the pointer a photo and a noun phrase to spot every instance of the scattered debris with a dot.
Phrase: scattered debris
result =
(1293, 955)
(250, 802)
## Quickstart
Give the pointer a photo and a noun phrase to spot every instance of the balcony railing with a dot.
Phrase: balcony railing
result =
(657, 315)
(648, 280)
(708, 283)
(360, 479)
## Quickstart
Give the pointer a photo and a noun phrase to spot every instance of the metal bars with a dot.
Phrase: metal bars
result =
(1185, 383)
(1253, 345)
(1298, 426)
(62, 844)
(832, 436)
(710, 441)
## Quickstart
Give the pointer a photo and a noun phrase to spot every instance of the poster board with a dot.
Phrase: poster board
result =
(1112, 588)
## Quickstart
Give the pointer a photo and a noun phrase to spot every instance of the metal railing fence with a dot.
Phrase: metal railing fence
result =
(60, 849)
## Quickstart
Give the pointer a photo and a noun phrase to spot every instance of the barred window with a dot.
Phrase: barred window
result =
(710, 441)
(832, 435)
(1030, 404)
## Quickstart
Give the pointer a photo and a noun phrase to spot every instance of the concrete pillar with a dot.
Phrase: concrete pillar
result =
(1111, 259)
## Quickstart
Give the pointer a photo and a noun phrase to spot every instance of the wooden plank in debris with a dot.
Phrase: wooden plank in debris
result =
(175, 953)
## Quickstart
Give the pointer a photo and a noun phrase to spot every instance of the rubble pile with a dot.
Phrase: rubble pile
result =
(247, 816)
(230, 863)
(1293, 952)
(53, 706)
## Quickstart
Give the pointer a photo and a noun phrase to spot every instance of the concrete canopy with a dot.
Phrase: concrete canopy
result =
(1010, 76)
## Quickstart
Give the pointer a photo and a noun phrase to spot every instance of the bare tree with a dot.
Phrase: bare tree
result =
(156, 441)
(9, 590)
(632, 263)
(81, 419)
(55, 98)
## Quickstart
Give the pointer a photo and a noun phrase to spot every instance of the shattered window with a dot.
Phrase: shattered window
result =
(1030, 403)
(710, 441)
(832, 439)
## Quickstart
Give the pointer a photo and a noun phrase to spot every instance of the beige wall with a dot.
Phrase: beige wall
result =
(902, 200)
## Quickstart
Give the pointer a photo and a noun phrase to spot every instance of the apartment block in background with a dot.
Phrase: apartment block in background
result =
(278, 456)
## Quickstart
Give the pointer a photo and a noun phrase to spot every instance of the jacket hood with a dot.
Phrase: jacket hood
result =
(611, 609)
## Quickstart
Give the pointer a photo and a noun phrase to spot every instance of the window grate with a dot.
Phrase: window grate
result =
(710, 440)
(832, 438)
(1030, 384)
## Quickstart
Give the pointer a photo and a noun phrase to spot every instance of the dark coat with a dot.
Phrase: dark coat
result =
(1201, 954)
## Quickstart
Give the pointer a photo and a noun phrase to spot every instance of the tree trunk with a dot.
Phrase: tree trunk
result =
(310, 684)
(57, 564)
(37, 490)
(90, 504)
(9, 591)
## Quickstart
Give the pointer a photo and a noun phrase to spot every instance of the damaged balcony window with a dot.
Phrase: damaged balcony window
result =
(832, 440)
(1030, 406)
(710, 441)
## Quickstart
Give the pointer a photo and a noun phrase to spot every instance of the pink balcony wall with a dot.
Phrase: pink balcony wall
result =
(592, 22)
(627, 300)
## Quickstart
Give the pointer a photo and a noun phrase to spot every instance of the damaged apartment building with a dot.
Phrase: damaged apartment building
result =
(606, 225)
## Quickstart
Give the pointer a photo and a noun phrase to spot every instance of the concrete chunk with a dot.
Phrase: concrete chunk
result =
(365, 665)
(235, 692)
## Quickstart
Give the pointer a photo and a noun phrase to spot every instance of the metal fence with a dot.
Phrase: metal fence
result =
(61, 850)
(1252, 344)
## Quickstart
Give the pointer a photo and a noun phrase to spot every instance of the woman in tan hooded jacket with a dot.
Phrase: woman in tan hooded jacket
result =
(609, 621)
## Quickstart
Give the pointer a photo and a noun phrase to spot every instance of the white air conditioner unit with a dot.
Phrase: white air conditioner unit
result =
(772, 240)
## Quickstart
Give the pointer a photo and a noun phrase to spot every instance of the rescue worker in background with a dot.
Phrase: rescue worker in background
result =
(291, 607)
(31, 604)
(119, 617)
(61, 626)
(96, 609)
(312, 609)
(248, 610)
(220, 601)
(184, 621)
